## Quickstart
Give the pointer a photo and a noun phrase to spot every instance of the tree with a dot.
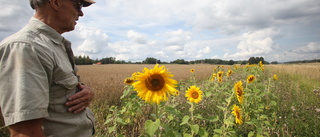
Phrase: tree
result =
(150, 60)
(179, 61)
(231, 62)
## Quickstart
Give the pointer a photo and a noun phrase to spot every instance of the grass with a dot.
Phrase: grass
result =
(292, 114)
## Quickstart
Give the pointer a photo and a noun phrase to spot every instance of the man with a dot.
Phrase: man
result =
(40, 94)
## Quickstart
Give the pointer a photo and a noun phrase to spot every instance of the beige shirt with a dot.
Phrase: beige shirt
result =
(36, 79)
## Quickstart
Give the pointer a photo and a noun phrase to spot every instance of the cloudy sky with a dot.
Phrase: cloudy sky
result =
(132, 30)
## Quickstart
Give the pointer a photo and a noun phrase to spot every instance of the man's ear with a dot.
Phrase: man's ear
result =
(55, 4)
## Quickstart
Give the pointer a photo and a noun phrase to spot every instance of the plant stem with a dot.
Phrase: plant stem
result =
(157, 117)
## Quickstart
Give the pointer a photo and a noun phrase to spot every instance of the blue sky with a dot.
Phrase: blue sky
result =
(133, 30)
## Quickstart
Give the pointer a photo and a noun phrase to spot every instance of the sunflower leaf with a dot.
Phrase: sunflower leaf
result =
(195, 128)
(151, 126)
(185, 120)
(203, 132)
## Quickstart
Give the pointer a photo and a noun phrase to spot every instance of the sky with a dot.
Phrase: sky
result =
(132, 30)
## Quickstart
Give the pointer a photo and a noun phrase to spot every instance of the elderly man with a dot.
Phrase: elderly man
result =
(40, 93)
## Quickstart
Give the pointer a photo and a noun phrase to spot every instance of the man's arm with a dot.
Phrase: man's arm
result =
(30, 128)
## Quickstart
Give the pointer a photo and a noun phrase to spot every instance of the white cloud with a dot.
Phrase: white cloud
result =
(197, 29)
(255, 43)
(311, 48)
(136, 37)
(89, 41)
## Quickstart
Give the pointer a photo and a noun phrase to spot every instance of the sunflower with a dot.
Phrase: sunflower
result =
(192, 70)
(154, 85)
(261, 64)
(220, 79)
(194, 94)
(275, 77)
(251, 78)
(220, 73)
(239, 91)
(214, 75)
(134, 75)
(237, 114)
(229, 73)
(129, 81)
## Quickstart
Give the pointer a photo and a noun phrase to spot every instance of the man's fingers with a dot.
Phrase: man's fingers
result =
(79, 107)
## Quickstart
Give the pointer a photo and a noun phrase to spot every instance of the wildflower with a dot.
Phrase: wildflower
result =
(153, 85)
(251, 78)
(275, 77)
(129, 81)
(220, 73)
(194, 94)
(192, 70)
(229, 72)
(214, 75)
(220, 79)
(237, 114)
(262, 69)
(261, 64)
(239, 91)
(134, 75)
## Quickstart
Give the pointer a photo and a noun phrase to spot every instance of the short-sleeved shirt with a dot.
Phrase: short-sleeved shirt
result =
(37, 78)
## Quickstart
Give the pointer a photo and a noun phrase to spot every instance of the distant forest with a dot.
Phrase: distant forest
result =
(85, 60)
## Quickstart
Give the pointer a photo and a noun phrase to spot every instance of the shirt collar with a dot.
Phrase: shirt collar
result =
(47, 30)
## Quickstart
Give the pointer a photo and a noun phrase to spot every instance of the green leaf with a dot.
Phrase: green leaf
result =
(120, 120)
(203, 133)
(219, 131)
(185, 120)
(251, 134)
(125, 93)
(213, 119)
(195, 128)
(199, 116)
(108, 121)
(221, 107)
(172, 133)
(151, 126)
(173, 111)
(112, 129)
(187, 135)
(273, 103)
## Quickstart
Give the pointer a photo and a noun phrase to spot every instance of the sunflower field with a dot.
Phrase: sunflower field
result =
(230, 101)
(204, 100)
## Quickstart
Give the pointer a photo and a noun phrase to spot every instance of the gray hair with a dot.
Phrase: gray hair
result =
(37, 3)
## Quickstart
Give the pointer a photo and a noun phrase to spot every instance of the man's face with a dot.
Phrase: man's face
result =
(69, 14)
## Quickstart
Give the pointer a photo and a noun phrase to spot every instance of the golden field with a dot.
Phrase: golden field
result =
(293, 93)
(107, 80)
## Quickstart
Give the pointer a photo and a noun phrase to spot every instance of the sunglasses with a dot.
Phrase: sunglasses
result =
(78, 5)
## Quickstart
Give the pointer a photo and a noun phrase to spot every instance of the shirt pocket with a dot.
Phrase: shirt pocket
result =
(68, 81)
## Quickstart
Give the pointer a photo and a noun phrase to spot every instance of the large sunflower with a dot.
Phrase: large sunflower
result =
(239, 91)
(194, 94)
(154, 85)
(251, 78)
(237, 114)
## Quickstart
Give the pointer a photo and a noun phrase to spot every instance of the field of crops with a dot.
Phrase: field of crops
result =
(271, 107)
(262, 105)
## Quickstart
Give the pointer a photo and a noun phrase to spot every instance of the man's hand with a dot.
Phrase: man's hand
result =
(29, 128)
(79, 101)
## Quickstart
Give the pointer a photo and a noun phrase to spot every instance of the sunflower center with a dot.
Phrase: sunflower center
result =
(195, 95)
(155, 82)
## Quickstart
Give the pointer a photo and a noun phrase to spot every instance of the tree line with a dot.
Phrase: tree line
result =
(85, 60)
